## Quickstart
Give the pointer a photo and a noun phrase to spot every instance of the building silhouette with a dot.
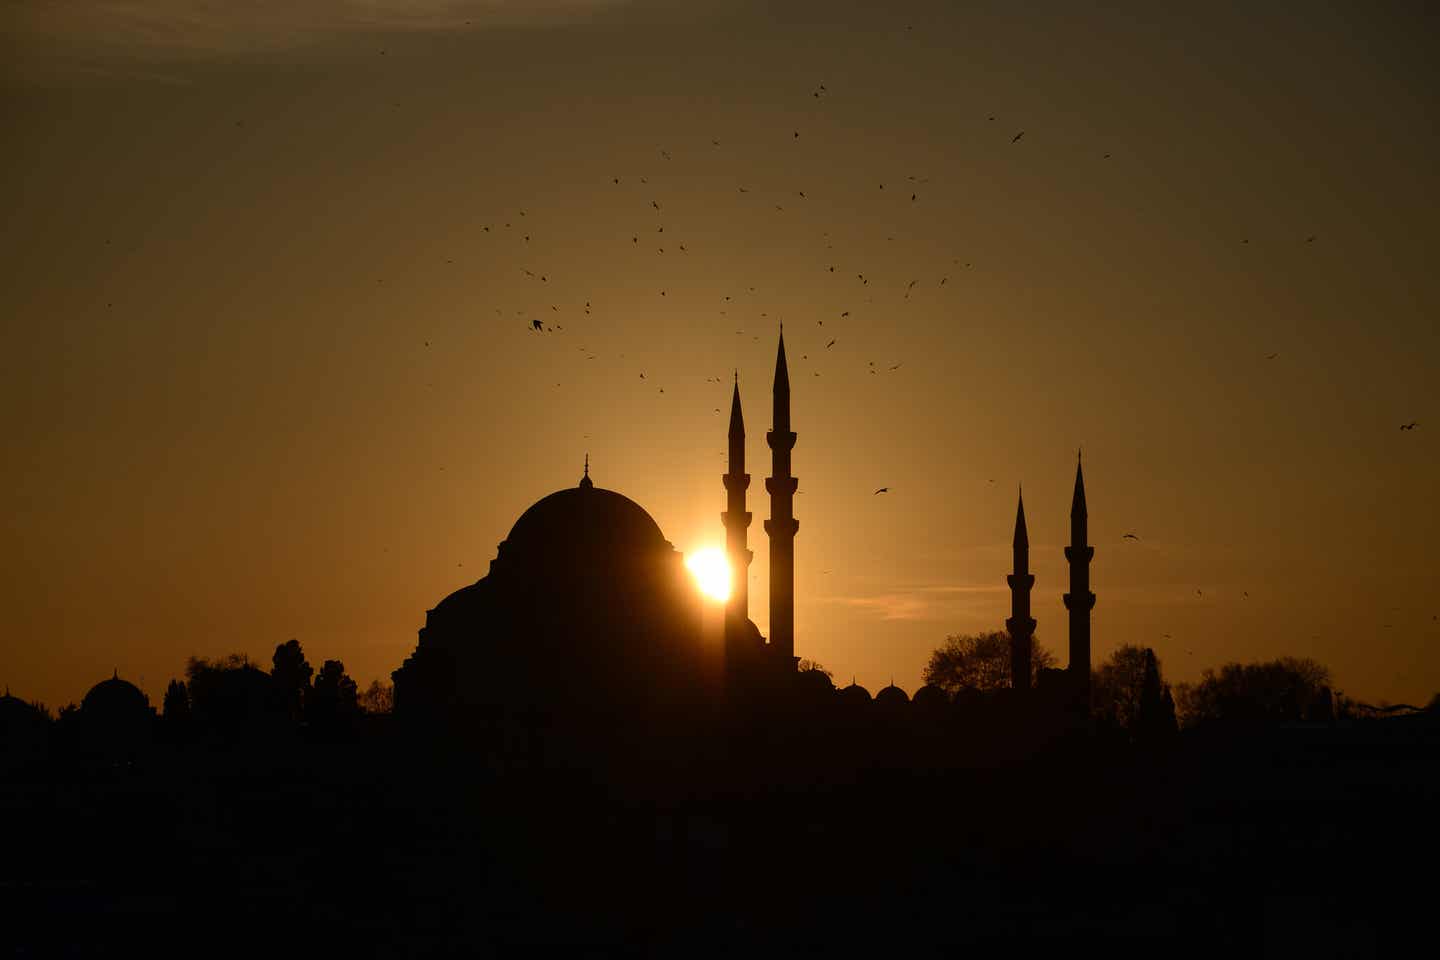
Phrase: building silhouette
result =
(782, 525)
(1021, 625)
(587, 606)
(1079, 600)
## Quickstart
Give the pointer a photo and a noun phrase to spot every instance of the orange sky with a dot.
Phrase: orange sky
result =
(228, 242)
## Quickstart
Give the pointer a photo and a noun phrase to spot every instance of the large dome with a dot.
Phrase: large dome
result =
(583, 519)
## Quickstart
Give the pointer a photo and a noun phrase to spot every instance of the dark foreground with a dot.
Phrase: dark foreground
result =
(1304, 842)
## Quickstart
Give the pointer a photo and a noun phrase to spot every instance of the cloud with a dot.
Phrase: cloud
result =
(226, 27)
(932, 602)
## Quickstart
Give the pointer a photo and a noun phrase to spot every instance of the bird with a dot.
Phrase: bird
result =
(1271, 356)
(537, 325)
(1310, 239)
(1016, 138)
(1410, 426)
(844, 313)
(1198, 593)
(1130, 536)
(881, 490)
(896, 367)
(830, 344)
(642, 376)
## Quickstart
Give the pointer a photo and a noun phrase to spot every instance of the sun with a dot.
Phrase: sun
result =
(711, 572)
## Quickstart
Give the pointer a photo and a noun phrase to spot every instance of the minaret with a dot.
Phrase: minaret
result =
(1021, 625)
(782, 524)
(737, 522)
(1079, 600)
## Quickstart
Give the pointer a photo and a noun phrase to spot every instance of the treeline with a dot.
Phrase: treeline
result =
(232, 693)
(1129, 693)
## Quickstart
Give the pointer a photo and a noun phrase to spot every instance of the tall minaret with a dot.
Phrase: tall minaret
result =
(1021, 625)
(1079, 600)
(782, 524)
(737, 521)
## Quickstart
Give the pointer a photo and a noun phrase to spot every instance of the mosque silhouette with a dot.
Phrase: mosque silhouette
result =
(587, 607)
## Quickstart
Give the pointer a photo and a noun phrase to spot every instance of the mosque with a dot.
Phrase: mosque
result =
(587, 605)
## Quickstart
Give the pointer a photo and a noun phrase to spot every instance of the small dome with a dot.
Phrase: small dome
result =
(114, 697)
(16, 713)
(854, 694)
(583, 520)
(892, 696)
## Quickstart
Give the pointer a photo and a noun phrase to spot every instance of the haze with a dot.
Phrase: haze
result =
(269, 369)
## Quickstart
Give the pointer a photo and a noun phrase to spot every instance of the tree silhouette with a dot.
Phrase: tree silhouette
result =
(1155, 719)
(334, 699)
(979, 662)
(1118, 688)
(291, 673)
(378, 698)
(1255, 694)
(805, 666)
(175, 708)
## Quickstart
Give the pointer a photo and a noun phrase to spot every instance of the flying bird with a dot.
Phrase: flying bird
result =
(1271, 356)
(537, 325)
(1130, 536)
(1016, 138)
(1410, 426)
(881, 490)
(830, 344)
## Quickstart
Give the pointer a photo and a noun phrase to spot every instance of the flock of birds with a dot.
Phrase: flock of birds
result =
(547, 323)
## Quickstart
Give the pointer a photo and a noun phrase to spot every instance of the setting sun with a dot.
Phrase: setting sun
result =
(711, 572)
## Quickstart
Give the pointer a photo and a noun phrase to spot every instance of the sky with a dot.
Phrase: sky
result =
(269, 273)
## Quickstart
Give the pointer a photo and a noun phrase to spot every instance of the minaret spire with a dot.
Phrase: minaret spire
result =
(1021, 625)
(737, 522)
(1080, 601)
(782, 525)
(585, 481)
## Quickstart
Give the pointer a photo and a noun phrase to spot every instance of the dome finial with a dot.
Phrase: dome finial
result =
(585, 481)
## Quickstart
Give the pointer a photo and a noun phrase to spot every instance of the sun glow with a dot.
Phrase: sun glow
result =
(711, 572)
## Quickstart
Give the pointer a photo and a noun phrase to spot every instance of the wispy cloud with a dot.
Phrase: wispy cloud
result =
(201, 27)
(928, 602)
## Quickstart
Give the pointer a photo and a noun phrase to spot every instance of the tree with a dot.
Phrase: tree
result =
(291, 673)
(979, 661)
(175, 708)
(1155, 719)
(805, 666)
(1128, 691)
(334, 698)
(378, 698)
(1255, 694)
